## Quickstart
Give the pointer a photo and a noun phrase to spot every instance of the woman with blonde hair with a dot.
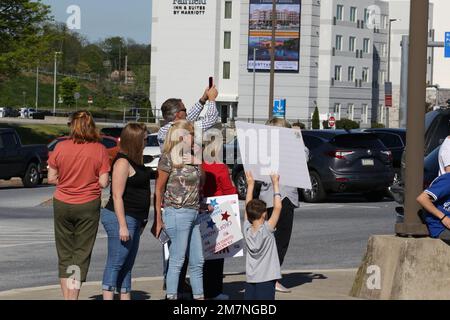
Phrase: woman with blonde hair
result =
(126, 213)
(79, 168)
(178, 184)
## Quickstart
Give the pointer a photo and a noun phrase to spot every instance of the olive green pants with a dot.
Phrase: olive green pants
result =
(76, 227)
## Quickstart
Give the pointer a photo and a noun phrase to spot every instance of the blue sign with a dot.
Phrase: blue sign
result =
(279, 108)
(447, 44)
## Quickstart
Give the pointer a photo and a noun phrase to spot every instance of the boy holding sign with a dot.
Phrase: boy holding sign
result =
(262, 262)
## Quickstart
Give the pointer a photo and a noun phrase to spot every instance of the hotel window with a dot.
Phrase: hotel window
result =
(337, 111)
(365, 75)
(383, 49)
(226, 70)
(365, 113)
(228, 9)
(339, 43)
(384, 22)
(382, 114)
(351, 74)
(351, 111)
(353, 14)
(366, 16)
(382, 77)
(351, 44)
(340, 12)
(366, 46)
(337, 73)
(227, 40)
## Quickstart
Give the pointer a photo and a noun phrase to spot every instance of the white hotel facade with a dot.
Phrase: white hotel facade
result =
(342, 65)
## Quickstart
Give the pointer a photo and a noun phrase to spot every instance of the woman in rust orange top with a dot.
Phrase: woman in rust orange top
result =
(79, 167)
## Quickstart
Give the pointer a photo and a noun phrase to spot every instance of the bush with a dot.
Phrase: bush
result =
(325, 124)
(316, 119)
(347, 124)
(376, 125)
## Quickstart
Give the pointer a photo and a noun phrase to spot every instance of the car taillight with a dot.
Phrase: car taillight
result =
(387, 154)
(340, 154)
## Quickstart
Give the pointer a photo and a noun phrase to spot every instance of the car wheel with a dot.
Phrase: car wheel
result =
(241, 184)
(375, 196)
(317, 192)
(32, 176)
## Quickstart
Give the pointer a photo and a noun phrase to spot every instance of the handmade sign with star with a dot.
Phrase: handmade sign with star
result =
(221, 230)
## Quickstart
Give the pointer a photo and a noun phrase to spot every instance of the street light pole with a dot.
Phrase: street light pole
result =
(389, 50)
(272, 58)
(415, 132)
(254, 85)
(54, 82)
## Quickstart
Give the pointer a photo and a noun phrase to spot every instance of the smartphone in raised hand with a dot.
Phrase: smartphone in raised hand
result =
(211, 82)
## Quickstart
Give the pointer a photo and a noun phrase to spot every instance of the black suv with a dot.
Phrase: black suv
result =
(342, 162)
(394, 140)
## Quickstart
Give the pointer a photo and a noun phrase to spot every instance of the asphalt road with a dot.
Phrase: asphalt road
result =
(325, 236)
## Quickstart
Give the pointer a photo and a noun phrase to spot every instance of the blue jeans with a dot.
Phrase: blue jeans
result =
(121, 255)
(260, 291)
(185, 239)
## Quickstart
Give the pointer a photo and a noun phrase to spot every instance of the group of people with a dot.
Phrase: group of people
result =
(80, 168)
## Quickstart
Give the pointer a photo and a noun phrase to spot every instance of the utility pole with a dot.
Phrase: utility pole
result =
(37, 88)
(272, 58)
(254, 85)
(54, 82)
(417, 71)
(126, 69)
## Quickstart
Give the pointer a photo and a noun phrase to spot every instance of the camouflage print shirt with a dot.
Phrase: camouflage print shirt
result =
(182, 188)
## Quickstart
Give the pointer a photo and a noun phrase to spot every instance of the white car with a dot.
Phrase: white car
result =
(152, 152)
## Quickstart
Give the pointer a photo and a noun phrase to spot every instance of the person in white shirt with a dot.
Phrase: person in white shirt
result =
(444, 157)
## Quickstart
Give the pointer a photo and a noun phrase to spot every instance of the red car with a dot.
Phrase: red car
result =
(110, 143)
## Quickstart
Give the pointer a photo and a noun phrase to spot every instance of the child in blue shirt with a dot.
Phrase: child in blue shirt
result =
(436, 201)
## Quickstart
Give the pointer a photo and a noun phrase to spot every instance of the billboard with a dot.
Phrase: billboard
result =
(287, 39)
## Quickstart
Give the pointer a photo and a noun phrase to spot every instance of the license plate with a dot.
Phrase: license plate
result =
(368, 162)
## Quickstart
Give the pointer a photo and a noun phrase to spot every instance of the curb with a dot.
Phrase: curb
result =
(160, 278)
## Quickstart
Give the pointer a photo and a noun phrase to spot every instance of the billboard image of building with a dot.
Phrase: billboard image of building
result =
(287, 43)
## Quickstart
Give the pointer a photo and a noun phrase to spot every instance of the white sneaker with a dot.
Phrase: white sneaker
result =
(222, 296)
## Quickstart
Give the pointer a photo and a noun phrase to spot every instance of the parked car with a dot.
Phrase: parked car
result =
(111, 144)
(26, 162)
(112, 132)
(8, 112)
(342, 161)
(27, 112)
(353, 162)
(430, 172)
(395, 141)
(152, 152)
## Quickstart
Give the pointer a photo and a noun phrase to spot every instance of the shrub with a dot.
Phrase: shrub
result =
(316, 119)
(376, 125)
(347, 124)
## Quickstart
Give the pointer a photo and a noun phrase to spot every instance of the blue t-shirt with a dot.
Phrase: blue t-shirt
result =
(440, 192)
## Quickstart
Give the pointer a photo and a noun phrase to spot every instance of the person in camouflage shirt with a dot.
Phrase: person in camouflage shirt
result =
(178, 187)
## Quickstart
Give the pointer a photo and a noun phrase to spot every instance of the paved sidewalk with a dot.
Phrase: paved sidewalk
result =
(305, 285)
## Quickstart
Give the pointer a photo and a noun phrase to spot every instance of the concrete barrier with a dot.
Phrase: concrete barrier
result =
(397, 268)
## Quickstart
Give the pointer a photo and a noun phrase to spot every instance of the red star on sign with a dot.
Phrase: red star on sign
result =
(225, 216)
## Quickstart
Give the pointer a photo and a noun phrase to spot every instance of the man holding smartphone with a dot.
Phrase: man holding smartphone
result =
(174, 109)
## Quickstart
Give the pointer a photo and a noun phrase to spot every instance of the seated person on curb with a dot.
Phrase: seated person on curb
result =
(436, 201)
(262, 262)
